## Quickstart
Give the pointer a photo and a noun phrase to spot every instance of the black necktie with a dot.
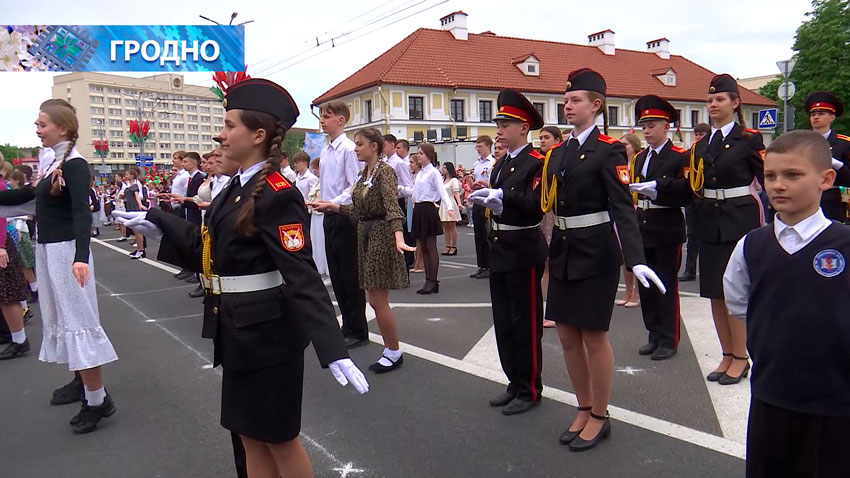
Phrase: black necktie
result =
(714, 147)
(572, 145)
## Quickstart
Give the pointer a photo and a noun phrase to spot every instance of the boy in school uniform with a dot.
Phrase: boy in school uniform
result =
(789, 281)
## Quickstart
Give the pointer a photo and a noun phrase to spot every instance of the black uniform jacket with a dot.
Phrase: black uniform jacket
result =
(740, 160)
(258, 329)
(664, 227)
(840, 145)
(519, 179)
(192, 211)
(592, 179)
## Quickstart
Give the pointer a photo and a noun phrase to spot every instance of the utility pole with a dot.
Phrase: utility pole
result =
(786, 89)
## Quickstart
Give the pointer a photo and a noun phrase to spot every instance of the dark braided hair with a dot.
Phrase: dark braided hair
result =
(595, 95)
(740, 112)
(275, 133)
(63, 115)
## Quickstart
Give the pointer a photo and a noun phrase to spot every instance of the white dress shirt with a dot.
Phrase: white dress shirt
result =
(180, 183)
(826, 135)
(725, 129)
(288, 173)
(338, 170)
(483, 167)
(427, 186)
(245, 176)
(402, 170)
(582, 137)
(736, 279)
(305, 181)
(652, 153)
(218, 184)
(513, 154)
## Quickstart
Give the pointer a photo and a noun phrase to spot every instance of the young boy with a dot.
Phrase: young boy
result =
(788, 280)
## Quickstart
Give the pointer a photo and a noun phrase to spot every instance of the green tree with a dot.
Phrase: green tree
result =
(822, 49)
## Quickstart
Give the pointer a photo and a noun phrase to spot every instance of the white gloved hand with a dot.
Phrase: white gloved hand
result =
(494, 201)
(479, 196)
(648, 189)
(136, 221)
(123, 216)
(836, 164)
(344, 371)
(644, 274)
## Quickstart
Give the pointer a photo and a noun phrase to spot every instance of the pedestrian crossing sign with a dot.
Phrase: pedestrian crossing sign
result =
(767, 119)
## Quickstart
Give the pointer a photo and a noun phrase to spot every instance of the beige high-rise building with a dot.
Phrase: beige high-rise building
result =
(181, 116)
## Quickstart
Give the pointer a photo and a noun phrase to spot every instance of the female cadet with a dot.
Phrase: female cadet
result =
(260, 322)
(723, 165)
(585, 183)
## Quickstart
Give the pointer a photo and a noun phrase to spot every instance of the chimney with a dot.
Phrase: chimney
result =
(660, 47)
(603, 40)
(456, 24)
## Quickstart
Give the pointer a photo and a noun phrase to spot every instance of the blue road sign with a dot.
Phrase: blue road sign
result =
(144, 160)
(767, 119)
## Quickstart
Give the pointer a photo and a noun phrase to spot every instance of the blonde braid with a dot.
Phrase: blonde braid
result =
(56, 186)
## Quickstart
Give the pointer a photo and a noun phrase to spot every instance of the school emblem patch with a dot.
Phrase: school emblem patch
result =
(623, 173)
(829, 263)
(291, 237)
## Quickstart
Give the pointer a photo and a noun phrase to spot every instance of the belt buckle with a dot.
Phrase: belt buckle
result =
(215, 284)
(720, 194)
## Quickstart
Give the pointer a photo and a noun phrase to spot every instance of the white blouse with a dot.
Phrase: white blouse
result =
(427, 186)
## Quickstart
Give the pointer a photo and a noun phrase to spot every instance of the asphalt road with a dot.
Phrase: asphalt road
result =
(429, 419)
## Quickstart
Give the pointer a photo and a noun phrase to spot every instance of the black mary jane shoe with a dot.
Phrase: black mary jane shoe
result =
(15, 350)
(87, 419)
(69, 393)
(580, 444)
(715, 376)
(431, 287)
(568, 436)
(727, 379)
(378, 367)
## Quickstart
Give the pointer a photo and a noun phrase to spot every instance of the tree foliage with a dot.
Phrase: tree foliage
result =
(10, 152)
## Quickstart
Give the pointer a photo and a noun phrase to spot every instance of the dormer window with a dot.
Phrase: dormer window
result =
(667, 76)
(528, 64)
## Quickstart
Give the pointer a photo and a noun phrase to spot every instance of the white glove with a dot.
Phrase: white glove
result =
(648, 189)
(836, 164)
(345, 371)
(136, 221)
(644, 274)
(479, 196)
(494, 201)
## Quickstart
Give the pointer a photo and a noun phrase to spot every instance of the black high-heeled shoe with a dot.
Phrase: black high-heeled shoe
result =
(570, 435)
(580, 444)
(715, 376)
(431, 287)
(727, 379)
(454, 252)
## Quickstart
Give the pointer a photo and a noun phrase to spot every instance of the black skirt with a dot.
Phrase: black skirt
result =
(13, 285)
(713, 258)
(426, 221)
(583, 303)
(264, 404)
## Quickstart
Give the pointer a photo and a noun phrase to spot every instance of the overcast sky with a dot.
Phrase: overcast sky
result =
(743, 38)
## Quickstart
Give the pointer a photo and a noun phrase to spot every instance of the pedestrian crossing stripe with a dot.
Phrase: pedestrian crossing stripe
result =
(767, 121)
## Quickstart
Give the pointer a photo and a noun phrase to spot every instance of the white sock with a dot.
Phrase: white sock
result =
(389, 357)
(95, 397)
(34, 286)
(19, 337)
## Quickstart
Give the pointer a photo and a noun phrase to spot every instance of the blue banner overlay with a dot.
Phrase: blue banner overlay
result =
(157, 48)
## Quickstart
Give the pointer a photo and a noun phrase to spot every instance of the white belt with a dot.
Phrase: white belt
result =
(235, 284)
(647, 204)
(508, 227)
(728, 193)
(585, 220)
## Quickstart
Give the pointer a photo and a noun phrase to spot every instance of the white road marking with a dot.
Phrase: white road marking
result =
(629, 370)
(462, 264)
(347, 469)
(158, 265)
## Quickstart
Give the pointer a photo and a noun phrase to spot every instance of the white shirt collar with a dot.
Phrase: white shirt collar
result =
(806, 228)
(725, 129)
(513, 153)
(488, 158)
(335, 143)
(657, 150)
(245, 176)
(826, 135)
(582, 137)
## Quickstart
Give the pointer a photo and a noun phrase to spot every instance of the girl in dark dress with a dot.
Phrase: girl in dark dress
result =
(13, 288)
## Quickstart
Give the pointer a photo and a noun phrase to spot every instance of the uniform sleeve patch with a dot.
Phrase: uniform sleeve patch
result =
(623, 173)
(535, 183)
(291, 237)
(277, 181)
(607, 139)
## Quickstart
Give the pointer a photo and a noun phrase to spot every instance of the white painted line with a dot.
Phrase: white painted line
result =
(158, 265)
(450, 266)
(168, 319)
(485, 351)
(140, 292)
(462, 264)
(456, 305)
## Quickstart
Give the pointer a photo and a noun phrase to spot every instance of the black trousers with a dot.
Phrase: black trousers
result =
(480, 226)
(786, 444)
(408, 239)
(692, 228)
(341, 251)
(518, 321)
(661, 311)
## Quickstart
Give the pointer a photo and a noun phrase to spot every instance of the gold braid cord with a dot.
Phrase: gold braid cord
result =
(632, 177)
(696, 173)
(549, 194)
(206, 260)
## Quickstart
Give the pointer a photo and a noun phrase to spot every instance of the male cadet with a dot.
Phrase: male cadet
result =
(823, 107)
(517, 253)
(661, 188)
(401, 166)
(481, 177)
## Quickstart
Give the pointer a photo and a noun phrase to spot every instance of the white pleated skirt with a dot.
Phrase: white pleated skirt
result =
(71, 320)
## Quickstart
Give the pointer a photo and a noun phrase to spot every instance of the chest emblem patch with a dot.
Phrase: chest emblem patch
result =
(829, 263)
(623, 173)
(291, 237)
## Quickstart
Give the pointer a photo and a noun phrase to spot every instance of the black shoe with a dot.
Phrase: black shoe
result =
(648, 348)
(199, 292)
(352, 342)
(569, 435)
(477, 273)
(663, 353)
(687, 276)
(580, 444)
(431, 287)
(727, 379)
(138, 254)
(378, 367)
(183, 275)
(69, 393)
(193, 280)
(715, 376)
(502, 400)
(33, 296)
(28, 315)
(485, 274)
(15, 350)
(518, 406)
(86, 421)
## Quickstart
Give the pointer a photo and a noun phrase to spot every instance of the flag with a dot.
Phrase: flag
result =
(678, 134)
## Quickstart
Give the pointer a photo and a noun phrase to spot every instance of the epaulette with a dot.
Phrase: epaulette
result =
(608, 139)
(678, 149)
(553, 147)
(535, 154)
(842, 137)
(753, 131)
(277, 181)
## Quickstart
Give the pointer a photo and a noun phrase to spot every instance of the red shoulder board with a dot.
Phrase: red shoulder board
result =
(679, 150)
(535, 154)
(754, 131)
(553, 147)
(844, 137)
(277, 181)
(607, 139)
